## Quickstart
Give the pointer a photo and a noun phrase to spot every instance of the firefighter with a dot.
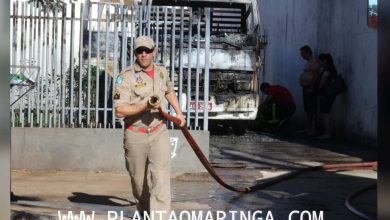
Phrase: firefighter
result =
(146, 140)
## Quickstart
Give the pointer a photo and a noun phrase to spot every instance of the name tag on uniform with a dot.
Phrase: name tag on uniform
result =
(140, 85)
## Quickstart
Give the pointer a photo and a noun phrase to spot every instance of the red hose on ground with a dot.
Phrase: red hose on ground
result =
(210, 169)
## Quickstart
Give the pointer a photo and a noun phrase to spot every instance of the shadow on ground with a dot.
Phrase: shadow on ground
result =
(80, 197)
(15, 198)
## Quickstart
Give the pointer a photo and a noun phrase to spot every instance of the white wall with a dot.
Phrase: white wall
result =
(333, 26)
(90, 149)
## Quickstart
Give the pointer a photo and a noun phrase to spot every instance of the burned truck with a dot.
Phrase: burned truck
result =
(233, 83)
(217, 58)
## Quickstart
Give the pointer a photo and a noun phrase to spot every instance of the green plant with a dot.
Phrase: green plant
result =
(48, 5)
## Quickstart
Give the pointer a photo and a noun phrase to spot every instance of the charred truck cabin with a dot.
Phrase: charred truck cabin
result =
(234, 66)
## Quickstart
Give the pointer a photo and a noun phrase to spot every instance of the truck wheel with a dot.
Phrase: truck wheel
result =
(239, 127)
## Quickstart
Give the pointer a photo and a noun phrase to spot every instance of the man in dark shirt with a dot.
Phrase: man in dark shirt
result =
(279, 104)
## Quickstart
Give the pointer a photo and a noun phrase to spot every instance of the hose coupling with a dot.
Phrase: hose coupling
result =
(154, 100)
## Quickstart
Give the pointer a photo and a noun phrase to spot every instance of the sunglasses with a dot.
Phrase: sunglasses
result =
(140, 50)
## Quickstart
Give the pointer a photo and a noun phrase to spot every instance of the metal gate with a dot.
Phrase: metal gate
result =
(63, 60)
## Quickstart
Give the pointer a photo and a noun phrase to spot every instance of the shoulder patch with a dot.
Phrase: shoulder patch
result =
(119, 79)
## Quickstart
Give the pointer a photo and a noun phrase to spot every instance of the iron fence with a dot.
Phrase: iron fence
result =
(78, 50)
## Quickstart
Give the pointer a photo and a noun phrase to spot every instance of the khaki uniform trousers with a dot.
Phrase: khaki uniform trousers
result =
(148, 161)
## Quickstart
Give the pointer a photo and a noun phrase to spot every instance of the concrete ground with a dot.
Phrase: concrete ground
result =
(240, 160)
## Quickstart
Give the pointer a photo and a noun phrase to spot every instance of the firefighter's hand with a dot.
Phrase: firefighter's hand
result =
(182, 120)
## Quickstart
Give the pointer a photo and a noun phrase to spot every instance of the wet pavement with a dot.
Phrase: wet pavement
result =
(240, 161)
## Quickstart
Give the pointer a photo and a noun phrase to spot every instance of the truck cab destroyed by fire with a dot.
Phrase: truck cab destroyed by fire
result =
(218, 59)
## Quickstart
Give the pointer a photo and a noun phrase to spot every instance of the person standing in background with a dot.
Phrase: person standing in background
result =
(309, 83)
(326, 100)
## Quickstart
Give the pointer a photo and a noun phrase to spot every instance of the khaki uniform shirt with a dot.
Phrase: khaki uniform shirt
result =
(134, 85)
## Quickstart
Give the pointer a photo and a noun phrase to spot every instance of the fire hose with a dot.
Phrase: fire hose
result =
(154, 100)
(357, 193)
